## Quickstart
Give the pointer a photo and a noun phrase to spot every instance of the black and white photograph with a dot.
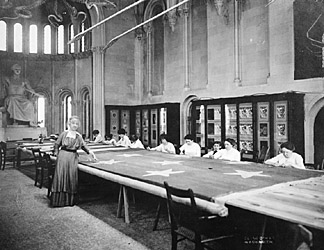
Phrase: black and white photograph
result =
(161, 124)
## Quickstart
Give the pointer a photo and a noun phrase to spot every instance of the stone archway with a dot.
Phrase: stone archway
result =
(311, 116)
(186, 114)
(319, 137)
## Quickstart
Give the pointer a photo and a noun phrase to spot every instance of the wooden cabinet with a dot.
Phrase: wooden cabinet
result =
(253, 121)
(146, 121)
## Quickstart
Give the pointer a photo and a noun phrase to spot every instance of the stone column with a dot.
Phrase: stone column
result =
(185, 14)
(98, 90)
(237, 58)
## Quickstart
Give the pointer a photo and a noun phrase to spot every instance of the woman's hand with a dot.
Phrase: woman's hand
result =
(93, 156)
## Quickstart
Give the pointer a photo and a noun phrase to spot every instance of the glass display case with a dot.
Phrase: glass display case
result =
(255, 122)
(146, 121)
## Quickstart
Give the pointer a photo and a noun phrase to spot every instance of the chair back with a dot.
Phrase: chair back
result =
(264, 154)
(8, 152)
(184, 212)
(247, 155)
(50, 166)
(1, 153)
(38, 157)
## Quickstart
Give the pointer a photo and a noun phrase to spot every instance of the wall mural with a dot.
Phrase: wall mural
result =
(309, 38)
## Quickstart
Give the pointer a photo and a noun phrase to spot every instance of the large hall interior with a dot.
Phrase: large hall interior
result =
(240, 74)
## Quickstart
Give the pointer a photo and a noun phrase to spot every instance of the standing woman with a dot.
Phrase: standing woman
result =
(65, 181)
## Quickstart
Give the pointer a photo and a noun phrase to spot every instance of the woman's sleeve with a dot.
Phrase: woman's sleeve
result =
(172, 149)
(58, 143)
(300, 162)
(84, 146)
(218, 154)
(272, 160)
(198, 152)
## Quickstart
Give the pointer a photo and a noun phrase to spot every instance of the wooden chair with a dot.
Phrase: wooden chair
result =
(188, 223)
(39, 166)
(8, 153)
(247, 155)
(264, 154)
(50, 166)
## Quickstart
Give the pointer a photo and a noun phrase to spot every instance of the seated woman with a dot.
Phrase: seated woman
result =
(124, 140)
(190, 148)
(109, 140)
(287, 158)
(229, 153)
(165, 146)
(97, 137)
(214, 150)
(136, 142)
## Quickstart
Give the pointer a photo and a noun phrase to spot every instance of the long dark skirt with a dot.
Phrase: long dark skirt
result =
(65, 181)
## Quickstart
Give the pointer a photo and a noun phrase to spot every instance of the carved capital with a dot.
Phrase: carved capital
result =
(222, 9)
(183, 10)
(148, 28)
(139, 32)
(172, 18)
(97, 49)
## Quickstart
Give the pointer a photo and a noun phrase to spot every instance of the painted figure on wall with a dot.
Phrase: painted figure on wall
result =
(19, 107)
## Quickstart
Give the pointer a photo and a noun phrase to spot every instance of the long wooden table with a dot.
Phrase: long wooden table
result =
(26, 146)
(271, 191)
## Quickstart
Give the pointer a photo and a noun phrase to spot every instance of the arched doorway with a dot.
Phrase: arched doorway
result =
(319, 137)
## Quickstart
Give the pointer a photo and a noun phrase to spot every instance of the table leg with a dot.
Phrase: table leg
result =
(157, 217)
(120, 202)
(126, 205)
(18, 157)
(123, 197)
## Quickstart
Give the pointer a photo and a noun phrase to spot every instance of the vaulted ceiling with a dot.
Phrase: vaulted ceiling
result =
(55, 12)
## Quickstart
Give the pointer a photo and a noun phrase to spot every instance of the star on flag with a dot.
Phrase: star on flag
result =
(246, 174)
(129, 155)
(110, 162)
(168, 162)
(165, 173)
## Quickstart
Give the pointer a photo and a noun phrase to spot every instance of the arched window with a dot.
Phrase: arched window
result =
(47, 40)
(71, 35)
(86, 114)
(33, 38)
(60, 40)
(18, 37)
(3, 32)
(157, 52)
(41, 111)
(67, 109)
(153, 83)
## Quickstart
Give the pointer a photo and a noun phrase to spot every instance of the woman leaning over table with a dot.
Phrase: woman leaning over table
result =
(65, 181)
(229, 153)
(165, 146)
(190, 147)
(287, 158)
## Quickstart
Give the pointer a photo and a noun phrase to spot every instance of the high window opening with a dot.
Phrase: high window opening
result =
(71, 35)
(82, 45)
(47, 40)
(3, 38)
(60, 39)
(18, 37)
(33, 38)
